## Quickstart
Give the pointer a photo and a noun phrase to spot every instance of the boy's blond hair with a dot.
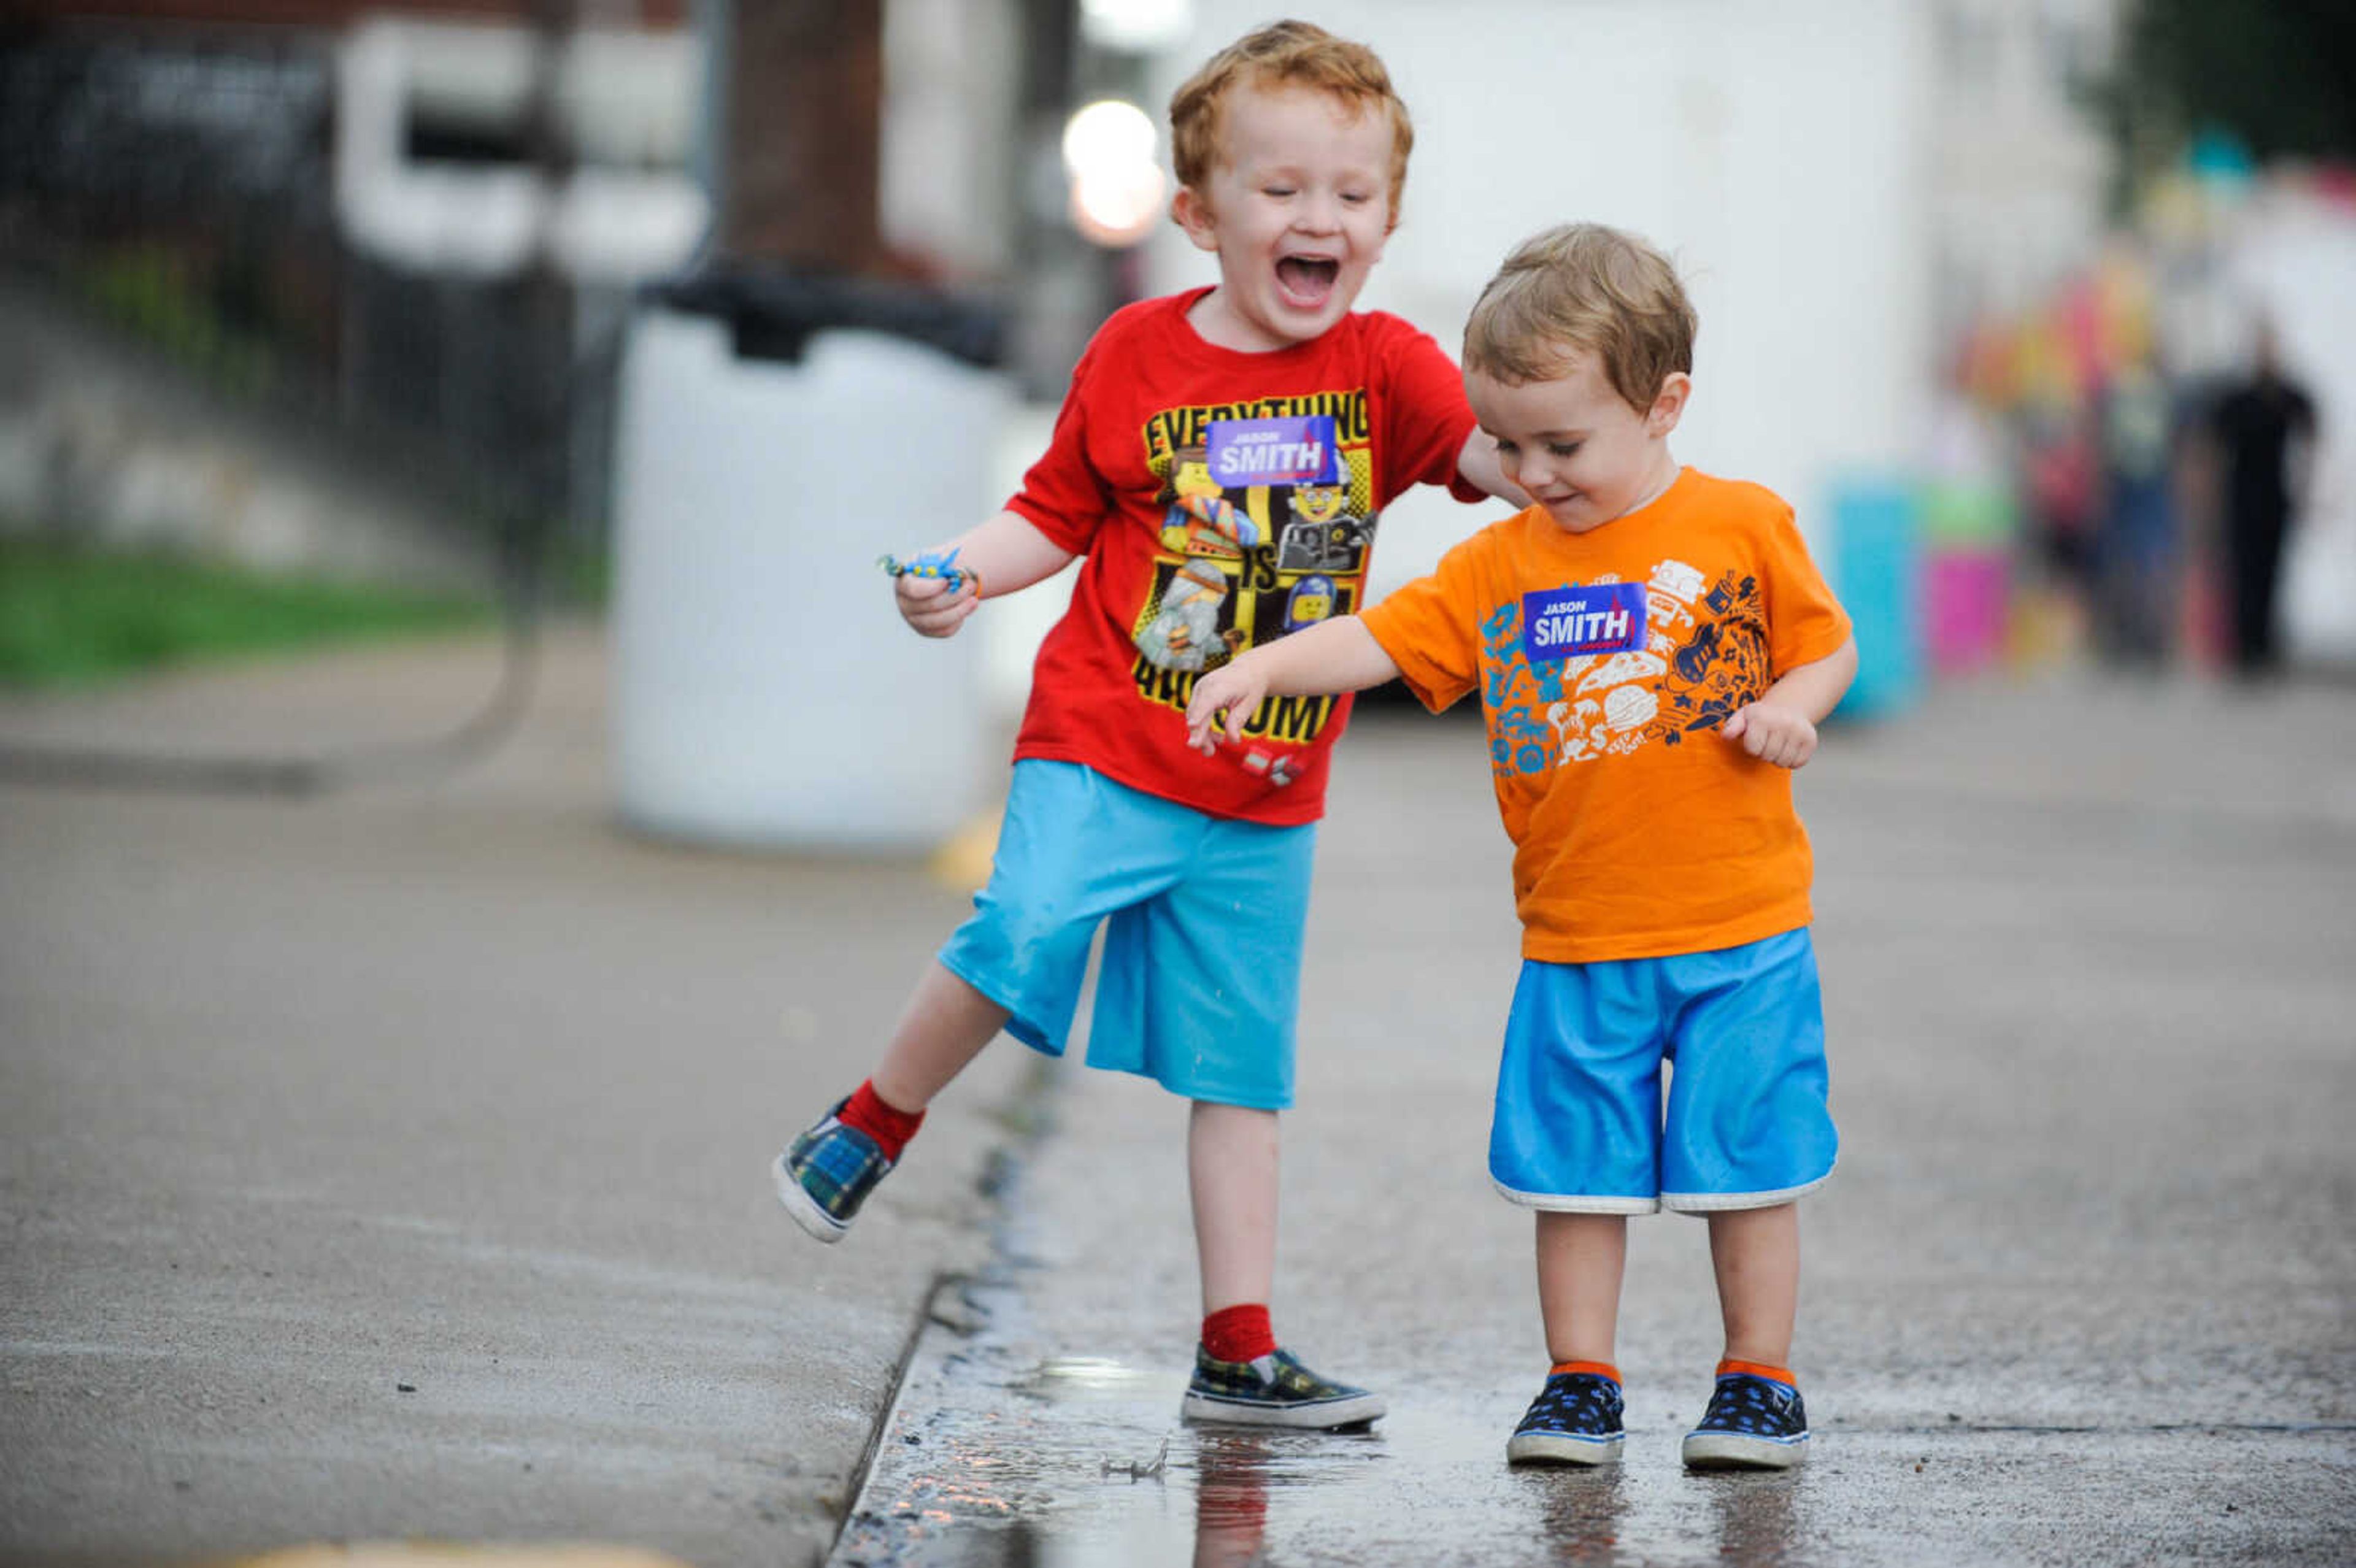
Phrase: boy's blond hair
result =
(1283, 54)
(1584, 287)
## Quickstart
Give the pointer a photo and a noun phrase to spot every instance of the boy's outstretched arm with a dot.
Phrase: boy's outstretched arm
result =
(1478, 462)
(999, 556)
(1333, 655)
(1780, 726)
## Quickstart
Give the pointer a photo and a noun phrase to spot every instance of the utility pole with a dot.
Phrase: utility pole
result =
(801, 155)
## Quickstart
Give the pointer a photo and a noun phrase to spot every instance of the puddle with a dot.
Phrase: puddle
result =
(1035, 1425)
(998, 1454)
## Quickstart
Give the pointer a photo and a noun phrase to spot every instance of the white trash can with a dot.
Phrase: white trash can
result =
(765, 694)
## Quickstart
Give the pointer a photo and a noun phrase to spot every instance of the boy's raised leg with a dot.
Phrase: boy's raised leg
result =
(943, 1027)
(1241, 1374)
(825, 1174)
(1756, 1420)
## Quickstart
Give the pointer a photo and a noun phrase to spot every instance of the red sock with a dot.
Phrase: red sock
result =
(1239, 1333)
(888, 1126)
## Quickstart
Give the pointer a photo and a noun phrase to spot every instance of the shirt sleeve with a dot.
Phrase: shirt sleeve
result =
(1804, 622)
(1429, 627)
(1063, 495)
(1427, 416)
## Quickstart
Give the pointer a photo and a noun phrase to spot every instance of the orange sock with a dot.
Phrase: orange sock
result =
(1594, 1369)
(1758, 1369)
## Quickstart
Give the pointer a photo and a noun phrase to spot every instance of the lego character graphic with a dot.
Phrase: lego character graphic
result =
(1321, 535)
(1264, 529)
(1311, 601)
(1319, 503)
(1207, 530)
(1185, 634)
(1201, 520)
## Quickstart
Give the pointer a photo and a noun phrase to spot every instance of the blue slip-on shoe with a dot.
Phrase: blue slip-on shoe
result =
(1275, 1390)
(1752, 1424)
(1575, 1420)
(827, 1173)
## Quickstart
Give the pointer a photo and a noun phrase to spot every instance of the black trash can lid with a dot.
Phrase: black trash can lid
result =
(773, 310)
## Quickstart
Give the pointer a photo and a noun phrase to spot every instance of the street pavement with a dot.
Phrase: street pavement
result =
(2083, 1290)
(387, 1165)
(392, 1164)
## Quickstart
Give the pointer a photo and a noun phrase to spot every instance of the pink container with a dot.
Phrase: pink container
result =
(1965, 594)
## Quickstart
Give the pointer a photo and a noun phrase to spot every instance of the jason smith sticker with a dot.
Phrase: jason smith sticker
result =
(1561, 623)
(1294, 451)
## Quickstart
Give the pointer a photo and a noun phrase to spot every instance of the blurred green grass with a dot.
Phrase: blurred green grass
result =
(72, 616)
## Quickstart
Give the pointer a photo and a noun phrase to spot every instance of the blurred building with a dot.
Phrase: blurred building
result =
(410, 231)
(384, 229)
(2020, 170)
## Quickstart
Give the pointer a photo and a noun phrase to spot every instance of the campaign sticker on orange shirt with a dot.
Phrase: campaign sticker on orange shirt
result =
(1562, 622)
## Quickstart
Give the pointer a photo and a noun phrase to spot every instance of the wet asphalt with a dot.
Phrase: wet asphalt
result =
(2082, 1290)
(390, 1165)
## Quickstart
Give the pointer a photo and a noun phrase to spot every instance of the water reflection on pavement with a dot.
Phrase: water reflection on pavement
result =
(998, 1455)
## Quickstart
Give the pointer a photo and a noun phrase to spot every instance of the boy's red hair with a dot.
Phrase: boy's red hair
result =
(1283, 54)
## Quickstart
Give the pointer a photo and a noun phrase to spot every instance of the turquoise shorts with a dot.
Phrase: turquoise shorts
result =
(1200, 978)
(1580, 1124)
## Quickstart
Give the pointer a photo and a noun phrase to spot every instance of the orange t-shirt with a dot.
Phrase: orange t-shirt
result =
(1606, 663)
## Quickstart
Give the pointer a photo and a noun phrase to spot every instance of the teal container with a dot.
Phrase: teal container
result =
(1876, 570)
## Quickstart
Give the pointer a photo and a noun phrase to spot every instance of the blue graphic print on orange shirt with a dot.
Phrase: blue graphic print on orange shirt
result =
(1584, 672)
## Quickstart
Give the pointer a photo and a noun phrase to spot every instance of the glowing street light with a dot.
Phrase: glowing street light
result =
(1116, 187)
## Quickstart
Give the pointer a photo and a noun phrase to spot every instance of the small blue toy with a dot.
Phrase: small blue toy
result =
(932, 563)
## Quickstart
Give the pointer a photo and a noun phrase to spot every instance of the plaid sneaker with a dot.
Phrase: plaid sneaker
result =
(826, 1174)
(1752, 1424)
(1274, 1391)
(1575, 1420)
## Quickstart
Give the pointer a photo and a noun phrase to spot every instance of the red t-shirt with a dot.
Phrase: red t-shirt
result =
(1182, 567)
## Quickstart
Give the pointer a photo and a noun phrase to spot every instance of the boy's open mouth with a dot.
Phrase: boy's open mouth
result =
(1308, 279)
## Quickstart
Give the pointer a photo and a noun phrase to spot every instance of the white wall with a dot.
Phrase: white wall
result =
(948, 134)
(2019, 167)
(1778, 152)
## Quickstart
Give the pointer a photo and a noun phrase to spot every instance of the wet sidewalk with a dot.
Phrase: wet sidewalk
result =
(389, 1165)
(2079, 1293)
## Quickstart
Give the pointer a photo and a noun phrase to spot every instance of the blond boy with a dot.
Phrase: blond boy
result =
(1654, 652)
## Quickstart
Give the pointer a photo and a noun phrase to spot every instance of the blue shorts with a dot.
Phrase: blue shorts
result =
(1580, 1123)
(1200, 978)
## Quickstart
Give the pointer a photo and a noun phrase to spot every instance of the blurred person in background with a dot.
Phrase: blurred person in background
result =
(2138, 548)
(2263, 430)
(2062, 471)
